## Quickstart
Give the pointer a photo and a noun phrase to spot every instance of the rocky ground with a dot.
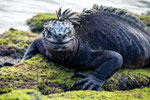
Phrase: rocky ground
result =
(39, 79)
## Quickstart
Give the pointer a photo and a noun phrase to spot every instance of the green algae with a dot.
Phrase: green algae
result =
(48, 77)
(30, 94)
(36, 22)
(36, 73)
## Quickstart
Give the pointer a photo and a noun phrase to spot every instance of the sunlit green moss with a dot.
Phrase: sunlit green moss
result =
(27, 94)
(145, 19)
(23, 95)
(36, 73)
(40, 74)
(137, 94)
(36, 22)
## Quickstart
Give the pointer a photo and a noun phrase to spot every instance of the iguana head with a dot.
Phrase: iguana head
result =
(59, 34)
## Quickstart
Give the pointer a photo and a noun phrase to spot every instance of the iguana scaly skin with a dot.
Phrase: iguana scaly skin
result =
(102, 38)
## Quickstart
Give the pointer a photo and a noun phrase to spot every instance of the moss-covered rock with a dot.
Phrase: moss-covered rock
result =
(145, 19)
(40, 74)
(13, 43)
(137, 94)
(36, 73)
(126, 79)
(27, 94)
(36, 22)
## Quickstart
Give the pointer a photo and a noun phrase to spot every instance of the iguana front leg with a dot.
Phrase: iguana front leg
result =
(31, 51)
(107, 64)
(35, 48)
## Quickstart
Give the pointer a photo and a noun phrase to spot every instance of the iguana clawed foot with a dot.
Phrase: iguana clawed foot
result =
(89, 81)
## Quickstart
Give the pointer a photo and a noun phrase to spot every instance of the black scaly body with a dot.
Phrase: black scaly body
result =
(105, 40)
(118, 32)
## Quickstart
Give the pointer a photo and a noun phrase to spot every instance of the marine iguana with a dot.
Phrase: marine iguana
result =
(102, 38)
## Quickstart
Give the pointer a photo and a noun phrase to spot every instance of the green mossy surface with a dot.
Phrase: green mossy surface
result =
(38, 73)
(27, 94)
(126, 79)
(36, 22)
(145, 19)
(14, 42)
(137, 94)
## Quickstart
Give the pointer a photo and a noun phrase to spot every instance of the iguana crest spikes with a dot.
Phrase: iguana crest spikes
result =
(67, 15)
(114, 11)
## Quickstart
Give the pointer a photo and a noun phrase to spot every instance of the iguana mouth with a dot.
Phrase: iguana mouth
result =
(57, 42)
(66, 45)
(62, 42)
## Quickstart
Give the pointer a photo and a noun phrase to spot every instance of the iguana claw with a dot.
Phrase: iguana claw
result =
(79, 74)
(90, 82)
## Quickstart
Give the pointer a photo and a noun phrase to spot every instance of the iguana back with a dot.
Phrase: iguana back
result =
(109, 29)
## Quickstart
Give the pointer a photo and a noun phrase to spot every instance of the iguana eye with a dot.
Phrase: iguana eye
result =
(69, 34)
(48, 34)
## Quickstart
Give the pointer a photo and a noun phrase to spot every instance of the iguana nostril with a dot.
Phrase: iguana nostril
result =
(59, 36)
(62, 36)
